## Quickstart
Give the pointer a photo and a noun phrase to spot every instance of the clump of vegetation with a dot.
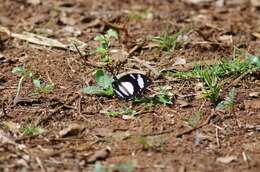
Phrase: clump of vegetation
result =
(211, 88)
(30, 130)
(104, 84)
(224, 68)
(38, 86)
(210, 75)
(103, 49)
(162, 97)
(168, 41)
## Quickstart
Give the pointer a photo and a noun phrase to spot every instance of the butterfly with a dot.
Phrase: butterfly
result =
(130, 85)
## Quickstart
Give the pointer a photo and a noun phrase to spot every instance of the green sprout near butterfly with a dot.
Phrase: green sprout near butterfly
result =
(104, 84)
(162, 97)
(103, 49)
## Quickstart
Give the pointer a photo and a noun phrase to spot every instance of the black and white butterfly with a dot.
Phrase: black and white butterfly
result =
(130, 85)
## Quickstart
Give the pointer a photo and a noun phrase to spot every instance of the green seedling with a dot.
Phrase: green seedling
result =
(104, 84)
(103, 49)
(42, 88)
(229, 101)
(163, 97)
(168, 42)
(39, 88)
(29, 129)
(23, 73)
(211, 88)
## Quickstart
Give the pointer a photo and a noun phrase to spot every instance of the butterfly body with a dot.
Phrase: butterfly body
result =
(131, 85)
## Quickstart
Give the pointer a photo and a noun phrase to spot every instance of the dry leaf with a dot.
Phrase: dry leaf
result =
(100, 155)
(71, 130)
(227, 159)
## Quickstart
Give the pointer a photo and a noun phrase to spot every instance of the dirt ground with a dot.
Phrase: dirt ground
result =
(76, 132)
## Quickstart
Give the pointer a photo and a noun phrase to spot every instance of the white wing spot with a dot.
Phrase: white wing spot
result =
(118, 93)
(140, 81)
(126, 88)
(132, 76)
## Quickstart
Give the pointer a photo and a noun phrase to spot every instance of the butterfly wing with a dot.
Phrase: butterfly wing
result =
(130, 85)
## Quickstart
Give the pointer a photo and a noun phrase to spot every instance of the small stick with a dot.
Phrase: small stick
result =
(218, 143)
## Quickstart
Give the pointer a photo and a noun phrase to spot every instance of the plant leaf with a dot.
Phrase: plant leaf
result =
(37, 83)
(112, 33)
(100, 38)
(102, 79)
(19, 70)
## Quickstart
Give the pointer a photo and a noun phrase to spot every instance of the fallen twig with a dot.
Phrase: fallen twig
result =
(39, 40)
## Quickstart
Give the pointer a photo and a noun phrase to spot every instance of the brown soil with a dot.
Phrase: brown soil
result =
(227, 134)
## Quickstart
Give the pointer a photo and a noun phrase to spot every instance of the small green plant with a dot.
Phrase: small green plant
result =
(104, 84)
(162, 97)
(229, 101)
(28, 129)
(23, 73)
(103, 49)
(42, 88)
(223, 68)
(211, 88)
(168, 42)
